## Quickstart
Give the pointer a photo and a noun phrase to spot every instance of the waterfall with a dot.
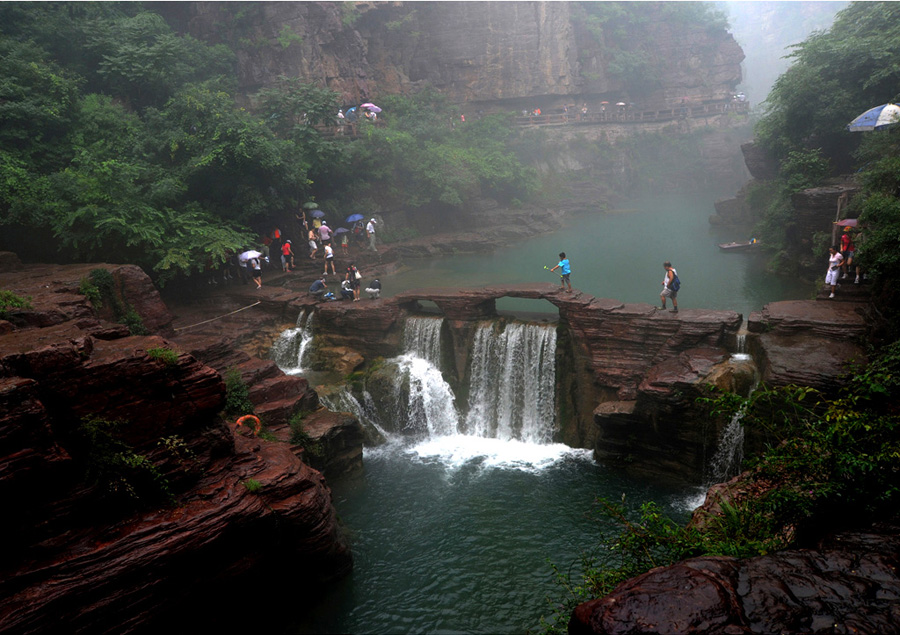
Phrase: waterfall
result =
(422, 337)
(512, 385)
(345, 401)
(729, 456)
(430, 405)
(511, 389)
(290, 347)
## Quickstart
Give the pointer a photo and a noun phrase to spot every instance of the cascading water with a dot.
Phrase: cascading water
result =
(510, 415)
(422, 337)
(729, 455)
(512, 392)
(290, 347)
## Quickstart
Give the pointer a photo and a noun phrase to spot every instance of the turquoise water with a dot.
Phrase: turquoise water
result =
(450, 538)
(455, 534)
(619, 255)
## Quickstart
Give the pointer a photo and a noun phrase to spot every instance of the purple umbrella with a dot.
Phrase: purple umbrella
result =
(341, 230)
(370, 107)
(317, 213)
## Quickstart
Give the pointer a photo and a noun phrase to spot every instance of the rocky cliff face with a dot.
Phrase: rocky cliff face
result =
(480, 53)
(128, 495)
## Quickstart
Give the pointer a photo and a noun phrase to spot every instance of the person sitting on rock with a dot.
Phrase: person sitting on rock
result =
(317, 288)
(346, 290)
(374, 289)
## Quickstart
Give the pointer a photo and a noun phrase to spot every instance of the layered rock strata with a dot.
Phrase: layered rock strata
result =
(129, 494)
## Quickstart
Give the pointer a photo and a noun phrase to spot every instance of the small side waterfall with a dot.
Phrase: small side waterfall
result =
(512, 391)
(730, 453)
(291, 346)
(729, 456)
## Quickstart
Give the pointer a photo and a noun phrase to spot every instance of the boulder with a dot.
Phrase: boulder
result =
(849, 584)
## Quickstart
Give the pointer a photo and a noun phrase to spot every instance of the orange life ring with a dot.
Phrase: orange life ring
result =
(243, 421)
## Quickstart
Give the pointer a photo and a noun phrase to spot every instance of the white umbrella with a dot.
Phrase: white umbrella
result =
(247, 255)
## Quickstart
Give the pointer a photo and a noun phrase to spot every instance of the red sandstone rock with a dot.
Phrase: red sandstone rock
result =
(97, 563)
(850, 585)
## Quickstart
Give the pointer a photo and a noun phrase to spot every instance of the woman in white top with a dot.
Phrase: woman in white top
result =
(834, 268)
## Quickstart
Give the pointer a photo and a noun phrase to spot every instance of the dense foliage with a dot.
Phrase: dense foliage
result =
(122, 141)
(832, 460)
(837, 75)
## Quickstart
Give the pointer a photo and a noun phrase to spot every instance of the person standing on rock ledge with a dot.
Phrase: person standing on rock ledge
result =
(835, 259)
(668, 290)
(564, 270)
(370, 230)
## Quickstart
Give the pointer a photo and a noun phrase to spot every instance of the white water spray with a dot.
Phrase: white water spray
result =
(291, 346)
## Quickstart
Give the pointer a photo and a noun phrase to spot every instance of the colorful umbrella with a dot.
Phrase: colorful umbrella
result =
(371, 107)
(354, 217)
(876, 118)
(317, 213)
(847, 222)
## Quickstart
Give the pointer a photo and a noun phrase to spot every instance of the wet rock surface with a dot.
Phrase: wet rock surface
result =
(849, 584)
(808, 343)
(102, 545)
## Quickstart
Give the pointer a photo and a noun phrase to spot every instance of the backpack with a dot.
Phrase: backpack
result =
(675, 285)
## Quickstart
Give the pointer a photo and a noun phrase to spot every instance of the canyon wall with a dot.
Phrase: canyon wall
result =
(485, 54)
(131, 501)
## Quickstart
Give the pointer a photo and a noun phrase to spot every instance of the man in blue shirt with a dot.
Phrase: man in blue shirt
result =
(564, 271)
(317, 288)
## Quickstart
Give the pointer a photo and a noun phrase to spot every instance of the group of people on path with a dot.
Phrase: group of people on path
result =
(350, 286)
(841, 263)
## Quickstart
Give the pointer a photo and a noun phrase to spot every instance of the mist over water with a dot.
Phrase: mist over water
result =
(619, 255)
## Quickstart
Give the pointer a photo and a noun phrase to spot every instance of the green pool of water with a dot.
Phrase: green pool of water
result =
(619, 255)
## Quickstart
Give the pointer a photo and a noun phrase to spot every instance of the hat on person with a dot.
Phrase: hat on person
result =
(324, 223)
(847, 228)
(372, 220)
(288, 242)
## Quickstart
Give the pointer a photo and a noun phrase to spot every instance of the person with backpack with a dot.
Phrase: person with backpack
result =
(671, 284)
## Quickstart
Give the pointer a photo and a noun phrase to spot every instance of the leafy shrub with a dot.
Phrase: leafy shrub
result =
(114, 465)
(237, 394)
(9, 300)
(91, 292)
(299, 436)
(252, 485)
(166, 355)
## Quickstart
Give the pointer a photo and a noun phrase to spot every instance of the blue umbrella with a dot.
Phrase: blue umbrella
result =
(354, 217)
(876, 118)
(317, 213)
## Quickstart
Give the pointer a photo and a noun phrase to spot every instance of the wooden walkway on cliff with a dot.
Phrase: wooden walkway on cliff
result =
(613, 115)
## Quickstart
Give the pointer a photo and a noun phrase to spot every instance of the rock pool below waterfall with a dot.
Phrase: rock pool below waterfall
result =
(455, 534)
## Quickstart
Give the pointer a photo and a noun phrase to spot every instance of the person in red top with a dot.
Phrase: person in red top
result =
(287, 256)
(848, 249)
